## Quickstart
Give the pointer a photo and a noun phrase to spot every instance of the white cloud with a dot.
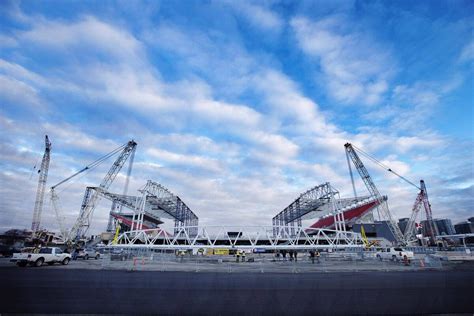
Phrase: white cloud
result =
(20, 93)
(188, 160)
(258, 15)
(467, 53)
(83, 34)
(21, 73)
(7, 41)
(355, 68)
(231, 157)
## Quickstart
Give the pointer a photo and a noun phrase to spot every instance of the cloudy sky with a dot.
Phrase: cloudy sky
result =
(237, 106)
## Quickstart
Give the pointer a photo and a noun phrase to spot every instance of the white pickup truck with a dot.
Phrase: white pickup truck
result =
(395, 254)
(49, 255)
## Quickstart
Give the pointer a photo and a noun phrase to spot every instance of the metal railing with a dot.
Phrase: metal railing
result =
(239, 237)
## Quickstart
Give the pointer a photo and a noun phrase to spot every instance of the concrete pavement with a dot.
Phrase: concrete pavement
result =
(49, 290)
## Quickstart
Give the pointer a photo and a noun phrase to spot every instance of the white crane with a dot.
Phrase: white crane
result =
(43, 176)
(87, 207)
(91, 197)
(421, 199)
(383, 206)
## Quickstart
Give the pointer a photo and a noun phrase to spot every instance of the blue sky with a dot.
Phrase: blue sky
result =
(237, 106)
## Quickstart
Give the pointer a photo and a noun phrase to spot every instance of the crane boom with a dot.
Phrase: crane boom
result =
(414, 213)
(429, 215)
(91, 197)
(382, 207)
(422, 199)
(41, 186)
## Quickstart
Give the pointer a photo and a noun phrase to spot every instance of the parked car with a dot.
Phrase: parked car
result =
(120, 255)
(88, 253)
(49, 255)
(395, 254)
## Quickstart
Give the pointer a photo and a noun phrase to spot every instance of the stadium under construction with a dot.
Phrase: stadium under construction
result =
(135, 221)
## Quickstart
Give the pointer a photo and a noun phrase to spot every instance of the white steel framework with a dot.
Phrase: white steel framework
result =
(319, 199)
(242, 237)
(155, 201)
(43, 176)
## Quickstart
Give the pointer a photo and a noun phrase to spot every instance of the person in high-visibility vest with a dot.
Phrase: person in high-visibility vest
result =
(243, 255)
(317, 256)
(237, 255)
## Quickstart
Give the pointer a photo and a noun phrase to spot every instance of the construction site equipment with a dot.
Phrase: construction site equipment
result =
(421, 200)
(367, 243)
(91, 198)
(117, 231)
(364, 236)
(86, 210)
(43, 176)
(382, 207)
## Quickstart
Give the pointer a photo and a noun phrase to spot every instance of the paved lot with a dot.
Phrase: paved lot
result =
(50, 290)
(263, 264)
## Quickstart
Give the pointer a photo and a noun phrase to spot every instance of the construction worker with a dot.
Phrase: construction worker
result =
(243, 255)
(237, 255)
(318, 255)
(181, 255)
(406, 261)
(74, 254)
(311, 255)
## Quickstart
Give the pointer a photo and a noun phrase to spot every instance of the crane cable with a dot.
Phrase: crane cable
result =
(89, 167)
(382, 165)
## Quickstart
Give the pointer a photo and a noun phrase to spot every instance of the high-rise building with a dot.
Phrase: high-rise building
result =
(402, 224)
(466, 227)
(444, 226)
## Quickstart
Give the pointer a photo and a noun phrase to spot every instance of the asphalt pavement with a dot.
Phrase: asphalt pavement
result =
(59, 291)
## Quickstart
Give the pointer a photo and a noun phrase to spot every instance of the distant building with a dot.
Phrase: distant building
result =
(443, 226)
(466, 227)
(402, 224)
(378, 229)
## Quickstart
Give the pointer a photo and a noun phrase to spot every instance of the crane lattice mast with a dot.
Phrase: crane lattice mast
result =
(431, 232)
(382, 207)
(91, 197)
(43, 176)
(409, 230)
(421, 200)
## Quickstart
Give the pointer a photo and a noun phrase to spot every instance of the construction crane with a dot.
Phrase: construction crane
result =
(421, 200)
(68, 236)
(91, 197)
(43, 176)
(382, 207)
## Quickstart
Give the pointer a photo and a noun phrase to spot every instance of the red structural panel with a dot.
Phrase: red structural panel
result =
(349, 215)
